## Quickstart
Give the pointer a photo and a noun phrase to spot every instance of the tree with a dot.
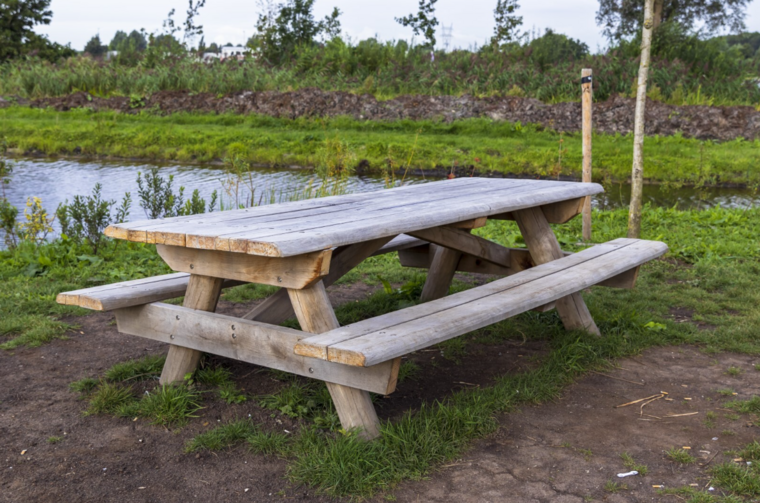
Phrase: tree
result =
(424, 22)
(213, 48)
(118, 39)
(284, 26)
(95, 47)
(192, 30)
(506, 22)
(621, 18)
(637, 173)
(17, 18)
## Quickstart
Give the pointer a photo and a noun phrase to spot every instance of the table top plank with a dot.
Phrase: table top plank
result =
(287, 229)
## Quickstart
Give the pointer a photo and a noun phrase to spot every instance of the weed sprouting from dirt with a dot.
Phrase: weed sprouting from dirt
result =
(408, 371)
(680, 456)
(631, 464)
(222, 436)
(148, 367)
(170, 405)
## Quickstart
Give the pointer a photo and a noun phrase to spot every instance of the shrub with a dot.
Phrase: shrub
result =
(87, 217)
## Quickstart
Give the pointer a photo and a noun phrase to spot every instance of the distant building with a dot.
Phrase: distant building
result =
(235, 51)
(209, 56)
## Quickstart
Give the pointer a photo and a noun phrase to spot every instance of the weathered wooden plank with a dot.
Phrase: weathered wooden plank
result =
(447, 204)
(209, 232)
(625, 280)
(254, 342)
(236, 237)
(423, 332)
(131, 293)
(277, 308)
(295, 208)
(472, 309)
(555, 213)
(422, 257)
(544, 247)
(289, 272)
(202, 295)
(354, 406)
(463, 241)
(294, 243)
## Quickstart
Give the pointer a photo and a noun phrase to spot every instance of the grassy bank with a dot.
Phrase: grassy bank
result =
(469, 144)
(711, 269)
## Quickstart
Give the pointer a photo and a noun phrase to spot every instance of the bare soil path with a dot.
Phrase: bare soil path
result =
(562, 451)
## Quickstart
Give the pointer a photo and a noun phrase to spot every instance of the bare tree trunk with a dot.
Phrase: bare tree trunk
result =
(637, 175)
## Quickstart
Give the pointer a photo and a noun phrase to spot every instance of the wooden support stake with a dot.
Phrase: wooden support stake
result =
(202, 294)
(544, 247)
(586, 101)
(316, 315)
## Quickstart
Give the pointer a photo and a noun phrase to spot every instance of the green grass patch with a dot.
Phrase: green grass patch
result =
(171, 405)
(222, 437)
(631, 464)
(480, 144)
(145, 368)
(751, 406)
(678, 455)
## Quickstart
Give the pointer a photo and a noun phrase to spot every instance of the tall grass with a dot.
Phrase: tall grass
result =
(683, 65)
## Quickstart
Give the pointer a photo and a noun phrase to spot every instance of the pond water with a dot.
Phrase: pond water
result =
(55, 181)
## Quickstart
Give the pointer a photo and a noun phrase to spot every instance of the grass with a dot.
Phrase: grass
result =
(148, 367)
(711, 269)
(54, 440)
(680, 456)
(479, 144)
(222, 437)
(613, 487)
(734, 371)
(631, 464)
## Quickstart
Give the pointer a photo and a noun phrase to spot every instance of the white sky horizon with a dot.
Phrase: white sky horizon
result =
(76, 21)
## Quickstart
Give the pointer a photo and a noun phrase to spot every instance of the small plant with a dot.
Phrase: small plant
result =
(37, 223)
(679, 456)
(307, 401)
(751, 406)
(757, 366)
(54, 440)
(108, 398)
(216, 376)
(734, 371)
(710, 418)
(726, 392)
(170, 405)
(148, 367)
(408, 370)
(631, 464)
(84, 386)
(222, 436)
(268, 443)
(87, 217)
(232, 395)
(156, 195)
(614, 487)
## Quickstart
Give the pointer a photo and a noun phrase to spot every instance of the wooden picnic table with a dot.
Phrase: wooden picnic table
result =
(305, 246)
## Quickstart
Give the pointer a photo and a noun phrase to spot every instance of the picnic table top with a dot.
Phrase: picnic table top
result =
(295, 228)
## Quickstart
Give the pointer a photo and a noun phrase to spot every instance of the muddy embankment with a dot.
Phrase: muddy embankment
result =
(612, 116)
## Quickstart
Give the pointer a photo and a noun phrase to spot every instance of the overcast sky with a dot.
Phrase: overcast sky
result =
(75, 21)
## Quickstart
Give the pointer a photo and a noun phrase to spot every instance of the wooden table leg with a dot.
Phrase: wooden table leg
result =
(276, 308)
(202, 294)
(316, 315)
(441, 272)
(543, 247)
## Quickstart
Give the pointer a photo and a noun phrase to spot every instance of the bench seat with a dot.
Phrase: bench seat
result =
(398, 333)
(169, 286)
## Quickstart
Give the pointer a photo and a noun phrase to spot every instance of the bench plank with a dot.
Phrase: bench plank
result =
(131, 293)
(257, 343)
(395, 334)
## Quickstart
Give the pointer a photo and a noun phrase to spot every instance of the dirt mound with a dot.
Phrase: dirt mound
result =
(612, 116)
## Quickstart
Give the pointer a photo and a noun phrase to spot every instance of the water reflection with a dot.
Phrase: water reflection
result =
(55, 181)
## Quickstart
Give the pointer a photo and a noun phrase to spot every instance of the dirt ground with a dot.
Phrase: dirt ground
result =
(560, 452)
(612, 116)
